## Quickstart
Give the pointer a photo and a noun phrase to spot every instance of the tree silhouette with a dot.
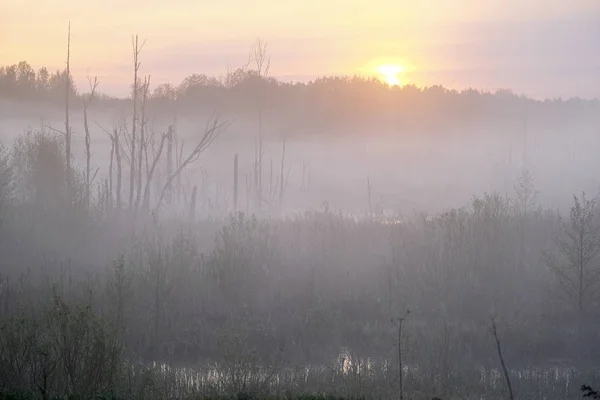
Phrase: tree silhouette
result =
(578, 243)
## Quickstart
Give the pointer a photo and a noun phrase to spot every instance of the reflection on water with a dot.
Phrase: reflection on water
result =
(350, 375)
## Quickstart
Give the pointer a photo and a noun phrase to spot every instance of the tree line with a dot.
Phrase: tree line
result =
(322, 99)
(22, 82)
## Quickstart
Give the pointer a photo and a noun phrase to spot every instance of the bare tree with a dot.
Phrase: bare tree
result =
(67, 132)
(143, 144)
(118, 155)
(494, 332)
(262, 62)
(88, 153)
(579, 244)
(116, 151)
(110, 172)
(151, 169)
(137, 48)
(272, 189)
(399, 322)
(213, 129)
(178, 161)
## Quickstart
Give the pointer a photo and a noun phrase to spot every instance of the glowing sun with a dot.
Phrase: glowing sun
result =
(390, 72)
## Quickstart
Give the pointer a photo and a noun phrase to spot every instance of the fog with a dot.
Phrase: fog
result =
(387, 242)
(424, 168)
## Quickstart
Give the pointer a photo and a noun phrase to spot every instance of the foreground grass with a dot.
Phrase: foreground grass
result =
(240, 396)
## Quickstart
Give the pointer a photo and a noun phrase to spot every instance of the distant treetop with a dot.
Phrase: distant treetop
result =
(326, 97)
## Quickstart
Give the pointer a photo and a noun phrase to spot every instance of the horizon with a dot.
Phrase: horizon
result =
(544, 53)
(82, 85)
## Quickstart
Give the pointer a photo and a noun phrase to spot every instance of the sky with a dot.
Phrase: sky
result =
(541, 48)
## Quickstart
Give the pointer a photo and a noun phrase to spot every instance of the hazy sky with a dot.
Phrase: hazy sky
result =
(543, 48)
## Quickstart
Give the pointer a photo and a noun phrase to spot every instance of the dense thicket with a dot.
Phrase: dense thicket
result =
(91, 295)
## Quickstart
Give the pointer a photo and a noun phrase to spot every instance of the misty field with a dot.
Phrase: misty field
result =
(248, 238)
(296, 305)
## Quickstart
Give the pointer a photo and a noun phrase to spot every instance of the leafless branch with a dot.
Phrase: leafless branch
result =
(212, 131)
(55, 130)
(88, 151)
(494, 332)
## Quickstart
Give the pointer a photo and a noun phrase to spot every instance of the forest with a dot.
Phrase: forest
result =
(121, 278)
(325, 101)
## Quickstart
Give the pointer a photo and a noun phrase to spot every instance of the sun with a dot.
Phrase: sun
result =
(394, 71)
(390, 72)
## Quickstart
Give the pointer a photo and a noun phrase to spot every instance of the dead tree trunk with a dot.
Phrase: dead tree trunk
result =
(500, 356)
(146, 205)
(88, 152)
(67, 123)
(119, 169)
(212, 131)
(400, 321)
(262, 62)
(271, 195)
(136, 66)
(178, 161)
(110, 169)
(88, 158)
(142, 144)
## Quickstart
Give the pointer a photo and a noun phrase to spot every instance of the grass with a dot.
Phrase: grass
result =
(94, 303)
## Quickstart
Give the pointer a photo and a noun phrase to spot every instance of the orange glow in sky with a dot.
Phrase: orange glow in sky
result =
(390, 73)
(307, 39)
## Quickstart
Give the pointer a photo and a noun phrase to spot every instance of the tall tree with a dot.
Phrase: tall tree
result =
(262, 63)
(137, 48)
(143, 143)
(67, 124)
(575, 267)
(87, 99)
